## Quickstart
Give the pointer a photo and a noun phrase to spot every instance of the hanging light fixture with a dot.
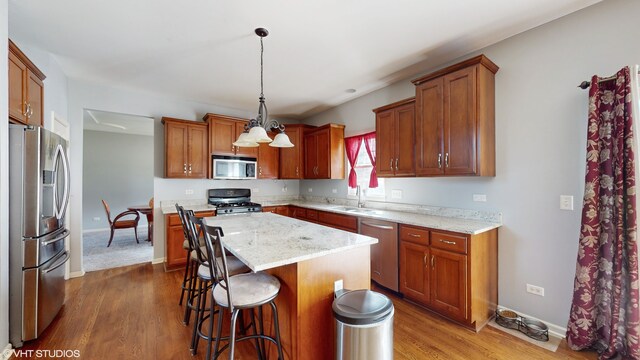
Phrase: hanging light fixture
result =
(255, 132)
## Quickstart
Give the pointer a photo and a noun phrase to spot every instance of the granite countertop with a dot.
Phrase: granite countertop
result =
(455, 220)
(448, 223)
(265, 240)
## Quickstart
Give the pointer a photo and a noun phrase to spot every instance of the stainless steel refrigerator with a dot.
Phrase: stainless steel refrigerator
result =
(38, 199)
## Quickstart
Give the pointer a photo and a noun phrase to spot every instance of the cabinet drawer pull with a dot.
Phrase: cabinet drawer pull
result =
(446, 159)
(439, 160)
(447, 242)
(414, 235)
(384, 227)
(433, 260)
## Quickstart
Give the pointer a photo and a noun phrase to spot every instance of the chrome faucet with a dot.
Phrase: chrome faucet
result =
(360, 194)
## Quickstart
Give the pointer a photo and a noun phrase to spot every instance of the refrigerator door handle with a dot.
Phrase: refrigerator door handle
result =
(64, 234)
(67, 182)
(63, 259)
(59, 211)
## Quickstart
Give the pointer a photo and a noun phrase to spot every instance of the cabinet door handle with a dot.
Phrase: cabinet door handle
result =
(424, 260)
(30, 110)
(297, 171)
(391, 164)
(439, 160)
(447, 242)
(396, 164)
(25, 106)
(260, 170)
(446, 159)
(184, 168)
(384, 227)
(433, 261)
(413, 235)
(377, 272)
(189, 168)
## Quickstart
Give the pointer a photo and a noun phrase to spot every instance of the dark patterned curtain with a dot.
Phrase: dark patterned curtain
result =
(604, 311)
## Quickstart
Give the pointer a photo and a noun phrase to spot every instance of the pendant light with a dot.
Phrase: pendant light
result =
(255, 132)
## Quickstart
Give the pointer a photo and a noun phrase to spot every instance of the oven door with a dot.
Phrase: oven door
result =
(228, 167)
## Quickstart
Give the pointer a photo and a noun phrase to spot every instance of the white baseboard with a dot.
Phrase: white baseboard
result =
(75, 274)
(158, 260)
(555, 330)
(6, 352)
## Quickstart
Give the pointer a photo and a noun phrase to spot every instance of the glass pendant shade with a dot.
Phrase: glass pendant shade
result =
(259, 134)
(281, 140)
(244, 141)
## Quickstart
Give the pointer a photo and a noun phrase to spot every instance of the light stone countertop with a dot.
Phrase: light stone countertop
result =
(265, 240)
(455, 222)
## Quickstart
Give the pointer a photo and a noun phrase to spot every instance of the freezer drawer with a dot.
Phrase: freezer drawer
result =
(43, 295)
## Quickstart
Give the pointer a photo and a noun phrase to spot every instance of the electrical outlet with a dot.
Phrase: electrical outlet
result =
(256, 190)
(396, 194)
(566, 202)
(284, 188)
(188, 192)
(335, 191)
(535, 290)
(97, 218)
(310, 190)
(337, 286)
(480, 197)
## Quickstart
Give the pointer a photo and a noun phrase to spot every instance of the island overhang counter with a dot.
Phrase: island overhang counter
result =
(307, 258)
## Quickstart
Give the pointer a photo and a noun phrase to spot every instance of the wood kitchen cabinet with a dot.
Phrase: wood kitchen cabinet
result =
(455, 120)
(384, 254)
(395, 139)
(280, 210)
(268, 161)
(174, 238)
(223, 132)
(292, 159)
(26, 89)
(324, 152)
(186, 148)
(455, 275)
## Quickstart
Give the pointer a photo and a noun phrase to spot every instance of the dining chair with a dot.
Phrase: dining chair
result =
(120, 223)
(150, 221)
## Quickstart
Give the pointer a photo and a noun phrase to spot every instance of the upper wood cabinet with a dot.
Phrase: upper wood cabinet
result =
(395, 139)
(324, 152)
(186, 148)
(223, 132)
(292, 159)
(268, 161)
(455, 120)
(26, 89)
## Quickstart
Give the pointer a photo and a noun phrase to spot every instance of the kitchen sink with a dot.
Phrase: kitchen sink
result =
(357, 210)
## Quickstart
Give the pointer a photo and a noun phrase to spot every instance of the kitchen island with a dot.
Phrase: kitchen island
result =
(307, 258)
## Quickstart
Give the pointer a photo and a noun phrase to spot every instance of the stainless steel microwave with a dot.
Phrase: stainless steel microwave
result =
(234, 167)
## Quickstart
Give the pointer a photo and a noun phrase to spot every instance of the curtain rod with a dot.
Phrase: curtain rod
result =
(585, 84)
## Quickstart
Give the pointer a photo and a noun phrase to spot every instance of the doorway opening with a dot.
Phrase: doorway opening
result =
(117, 194)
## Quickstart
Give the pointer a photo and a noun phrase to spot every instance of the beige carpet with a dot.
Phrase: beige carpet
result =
(123, 250)
(551, 345)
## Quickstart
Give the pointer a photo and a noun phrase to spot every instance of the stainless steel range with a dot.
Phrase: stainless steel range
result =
(232, 201)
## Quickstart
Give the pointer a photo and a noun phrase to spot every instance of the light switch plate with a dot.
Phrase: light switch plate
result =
(396, 194)
(335, 191)
(480, 197)
(566, 202)
(188, 192)
(310, 190)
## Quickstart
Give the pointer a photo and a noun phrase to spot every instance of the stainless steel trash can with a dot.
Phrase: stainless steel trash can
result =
(364, 325)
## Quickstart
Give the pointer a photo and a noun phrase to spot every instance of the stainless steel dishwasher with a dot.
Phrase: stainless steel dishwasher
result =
(384, 254)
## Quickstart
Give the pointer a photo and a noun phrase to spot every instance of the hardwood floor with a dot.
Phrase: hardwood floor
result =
(132, 313)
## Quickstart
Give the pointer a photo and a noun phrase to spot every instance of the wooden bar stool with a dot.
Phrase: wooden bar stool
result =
(234, 293)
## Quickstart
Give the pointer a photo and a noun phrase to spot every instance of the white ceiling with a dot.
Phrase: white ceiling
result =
(206, 50)
(118, 123)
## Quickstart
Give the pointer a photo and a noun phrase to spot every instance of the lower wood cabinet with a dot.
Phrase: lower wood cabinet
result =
(453, 274)
(280, 210)
(174, 238)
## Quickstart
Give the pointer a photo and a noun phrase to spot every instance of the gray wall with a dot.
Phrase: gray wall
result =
(540, 142)
(4, 178)
(117, 168)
